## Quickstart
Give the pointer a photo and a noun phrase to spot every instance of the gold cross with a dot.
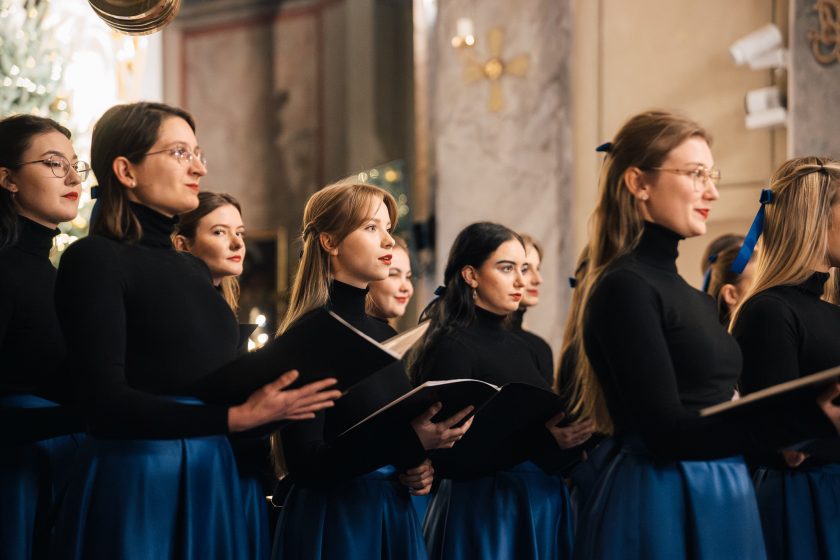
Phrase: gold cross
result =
(495, 67)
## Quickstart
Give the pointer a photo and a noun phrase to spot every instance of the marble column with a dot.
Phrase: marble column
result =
(814, 78)
(511, 166)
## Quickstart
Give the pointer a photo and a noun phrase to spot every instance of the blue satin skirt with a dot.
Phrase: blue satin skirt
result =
(421, 504)
(141, 499)
(641, 509)
(368, 517)
(800, 511)
(33, 477)
(518, 513)
(256, 516)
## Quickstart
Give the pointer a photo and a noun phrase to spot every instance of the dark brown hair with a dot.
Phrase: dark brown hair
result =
(129, 131)
(16, 133)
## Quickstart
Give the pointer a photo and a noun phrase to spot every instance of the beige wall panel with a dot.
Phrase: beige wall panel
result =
(633, 56)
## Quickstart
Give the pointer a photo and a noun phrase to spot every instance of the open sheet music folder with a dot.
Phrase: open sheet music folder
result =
(500, 412)
(347, 354)
(796, 390)
(790, 393)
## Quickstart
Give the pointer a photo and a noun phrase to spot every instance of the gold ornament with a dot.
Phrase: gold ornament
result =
(494, 68)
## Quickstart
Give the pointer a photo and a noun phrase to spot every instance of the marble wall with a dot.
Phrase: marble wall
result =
(252, 82)
(512, 166)
(814, 82)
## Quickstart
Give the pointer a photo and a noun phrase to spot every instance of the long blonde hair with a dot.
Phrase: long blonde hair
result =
(794, 240)
(616, 228)
(337, 209)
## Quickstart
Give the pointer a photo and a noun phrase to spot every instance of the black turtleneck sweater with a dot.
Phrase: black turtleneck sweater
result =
(787, 332)
(487, 350)
(313, 454)
(540, 348)
(142, 322)
(32, 349)
(661, 355)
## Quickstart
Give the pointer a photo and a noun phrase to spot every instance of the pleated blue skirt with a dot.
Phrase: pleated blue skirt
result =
(256, 516)
(32, 480)
(641, 509)
(800, 512)
(141, 499)
(518, 513)
(421, 504)
(368, 517)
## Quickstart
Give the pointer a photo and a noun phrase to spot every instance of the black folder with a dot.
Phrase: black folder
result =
(826, 450)
(245, 332)
(515, 412)
(453, 394)
(500, 412)
(777, 397)
(347, 354)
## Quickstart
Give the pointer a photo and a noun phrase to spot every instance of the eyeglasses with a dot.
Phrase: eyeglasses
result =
(700, 176)
(60, 166)
(182, 154)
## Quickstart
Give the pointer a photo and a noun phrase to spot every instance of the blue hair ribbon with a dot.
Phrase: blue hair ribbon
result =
(707, 276)
(606, 147)
(748, 247)
(440, 290)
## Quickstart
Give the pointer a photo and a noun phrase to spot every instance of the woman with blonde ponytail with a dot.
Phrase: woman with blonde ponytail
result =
(788, 328)
(346, 503)
(650, 353)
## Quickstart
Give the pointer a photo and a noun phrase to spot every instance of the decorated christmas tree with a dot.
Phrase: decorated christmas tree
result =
(31, 61)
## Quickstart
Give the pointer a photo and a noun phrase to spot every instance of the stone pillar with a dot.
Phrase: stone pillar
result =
(512, 166)
(814, 79)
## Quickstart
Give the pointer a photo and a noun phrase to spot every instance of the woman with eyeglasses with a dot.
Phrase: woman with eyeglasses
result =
(651, 353)
(156, 477)
(40, 184)
(787, 329)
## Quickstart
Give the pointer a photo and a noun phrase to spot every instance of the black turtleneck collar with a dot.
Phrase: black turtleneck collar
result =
(658, 247)
(517, 318)
(34, 238)
(815, 283)
(347, 301)
(489, 320)
(157, 228)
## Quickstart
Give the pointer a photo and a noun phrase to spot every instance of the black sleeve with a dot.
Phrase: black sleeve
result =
(7, 308)
(447, 359)
(623, 331)
(91, 308)
(309, 458)
(767, 331)
(28, 425)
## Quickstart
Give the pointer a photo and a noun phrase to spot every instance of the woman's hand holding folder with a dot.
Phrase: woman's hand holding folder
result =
(271, 403)
(826, 403)
(419, 479)
(571, 435)
(443, 434)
